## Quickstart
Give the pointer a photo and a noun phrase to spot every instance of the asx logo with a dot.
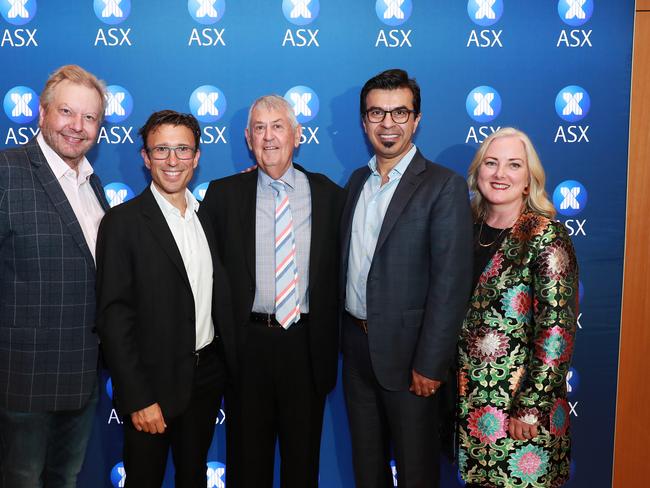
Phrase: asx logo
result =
(119, 104)
(207, 103)
(206, 12)
(216, 474)
(117, 193)
(572, 381)
(575, 12)
(572, 103)
(393, 12)
(485, 12)
(118, 475)
(199, 190)
(18, 12)
(304, 102)
(300, 12)
(570, 197)
(483, 104)
(112, 12)
(21, 104)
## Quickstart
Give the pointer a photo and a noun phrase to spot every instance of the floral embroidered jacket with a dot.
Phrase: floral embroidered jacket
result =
(514, 353)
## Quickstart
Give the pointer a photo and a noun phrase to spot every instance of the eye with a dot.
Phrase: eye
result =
(90, 118)
(258, 129)
(400, 112)
(489, 162)
(184, 150)
(376, 112)
(160, 149)
(515, 165)
(65, 111)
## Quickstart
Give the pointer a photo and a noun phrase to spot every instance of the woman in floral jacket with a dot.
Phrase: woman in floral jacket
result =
(518, 334)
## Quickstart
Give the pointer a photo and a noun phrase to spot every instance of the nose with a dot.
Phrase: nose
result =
(499, 172)
(76, 122)
(268, 134)
(388, 121)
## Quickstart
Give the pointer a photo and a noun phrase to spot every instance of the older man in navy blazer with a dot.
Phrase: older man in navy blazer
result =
(51, 204)
(406, 270)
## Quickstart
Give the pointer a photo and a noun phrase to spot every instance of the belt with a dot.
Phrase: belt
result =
(270, 321)
(361, 323)
(205, 352)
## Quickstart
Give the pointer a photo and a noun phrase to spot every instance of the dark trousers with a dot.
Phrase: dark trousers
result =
(44, 448)
(275, 400)
(384, 422)
(189, 435)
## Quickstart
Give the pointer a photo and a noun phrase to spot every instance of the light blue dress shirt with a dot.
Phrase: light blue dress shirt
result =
(366, 224)
(299, 194)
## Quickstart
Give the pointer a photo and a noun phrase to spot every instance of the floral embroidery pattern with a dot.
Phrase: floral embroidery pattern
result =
(488, 424)
(514, 353)
(554, 346)
(516, 303)
(528, 463)
(493, 268)
(487, 345)
(559, 417)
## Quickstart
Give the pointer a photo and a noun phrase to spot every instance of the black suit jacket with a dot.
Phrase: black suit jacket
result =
(420, 277)
(146, 317)
(230, 203)
(48, 351)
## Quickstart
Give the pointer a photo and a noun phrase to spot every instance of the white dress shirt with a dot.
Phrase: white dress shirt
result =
(78, 191)
(193, 246)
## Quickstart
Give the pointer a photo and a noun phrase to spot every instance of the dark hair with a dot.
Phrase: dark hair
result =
(170, 117)
(391, 79)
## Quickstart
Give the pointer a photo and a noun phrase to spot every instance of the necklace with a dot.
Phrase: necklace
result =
(489, 244)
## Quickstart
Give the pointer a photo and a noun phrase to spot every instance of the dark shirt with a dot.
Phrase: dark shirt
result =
(491, 240)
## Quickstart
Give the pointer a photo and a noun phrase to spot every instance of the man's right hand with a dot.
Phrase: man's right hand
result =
(149, 419)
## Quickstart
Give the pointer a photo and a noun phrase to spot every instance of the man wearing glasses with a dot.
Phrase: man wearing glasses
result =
(406, 267)
(164, 314)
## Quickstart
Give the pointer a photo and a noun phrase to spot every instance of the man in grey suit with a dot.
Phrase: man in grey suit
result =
(405, 277)
(51, 204)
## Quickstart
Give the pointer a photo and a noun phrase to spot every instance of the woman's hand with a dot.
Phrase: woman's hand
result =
(521, 431)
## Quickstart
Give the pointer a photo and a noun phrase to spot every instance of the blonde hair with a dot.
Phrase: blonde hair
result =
(75, 74)
(536, 200)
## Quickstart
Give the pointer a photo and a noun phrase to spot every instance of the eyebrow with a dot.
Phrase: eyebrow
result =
(374, 107)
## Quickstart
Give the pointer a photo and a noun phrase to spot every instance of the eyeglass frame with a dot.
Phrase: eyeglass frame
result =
(408, 111)
(169, 152)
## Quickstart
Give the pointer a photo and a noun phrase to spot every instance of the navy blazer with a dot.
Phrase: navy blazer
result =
(48, 350)
(420, 276)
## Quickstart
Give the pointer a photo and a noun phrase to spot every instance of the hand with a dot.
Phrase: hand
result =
(249, 169)
(423, 386)
(521, 431)
(149, 419)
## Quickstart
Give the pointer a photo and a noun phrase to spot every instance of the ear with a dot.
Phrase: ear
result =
(417, 122)
(145, 157)
(297, 135)
(197, 156)
(247, 134)
(41, 115)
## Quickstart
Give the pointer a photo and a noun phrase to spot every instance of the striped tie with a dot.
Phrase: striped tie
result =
(287, 306)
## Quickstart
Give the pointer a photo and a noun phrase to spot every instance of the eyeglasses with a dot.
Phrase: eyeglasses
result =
(163, 152)
(399, 115)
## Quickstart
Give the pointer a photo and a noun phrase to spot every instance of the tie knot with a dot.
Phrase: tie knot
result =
(278, 186)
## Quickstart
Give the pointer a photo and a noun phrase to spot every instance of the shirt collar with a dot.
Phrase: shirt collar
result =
(288, 178)
(59, 166)
(399, 168)
(168, 208)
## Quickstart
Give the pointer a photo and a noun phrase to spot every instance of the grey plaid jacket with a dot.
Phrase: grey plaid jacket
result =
(48, 349)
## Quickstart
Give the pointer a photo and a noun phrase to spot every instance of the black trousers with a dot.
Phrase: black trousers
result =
(385, 423)
(274, 400)
(189, 435)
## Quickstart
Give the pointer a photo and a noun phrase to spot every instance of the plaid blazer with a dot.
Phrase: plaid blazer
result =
(48, 348)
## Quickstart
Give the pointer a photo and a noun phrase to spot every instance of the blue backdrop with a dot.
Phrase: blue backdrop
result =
(559, 70)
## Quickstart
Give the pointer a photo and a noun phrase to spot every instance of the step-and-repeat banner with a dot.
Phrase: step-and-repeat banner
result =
(559, 70)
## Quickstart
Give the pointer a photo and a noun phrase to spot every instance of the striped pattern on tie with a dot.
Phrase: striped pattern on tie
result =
(287, 305)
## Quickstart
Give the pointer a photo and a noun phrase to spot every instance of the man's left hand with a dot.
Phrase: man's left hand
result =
(423, 386)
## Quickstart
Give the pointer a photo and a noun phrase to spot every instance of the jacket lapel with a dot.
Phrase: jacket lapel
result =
(56, 195)
(318, 206)
(247, 219)
(409, 182)
(156, 222)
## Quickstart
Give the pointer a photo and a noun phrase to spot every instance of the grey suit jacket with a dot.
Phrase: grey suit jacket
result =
(420, 276)
(48, 349)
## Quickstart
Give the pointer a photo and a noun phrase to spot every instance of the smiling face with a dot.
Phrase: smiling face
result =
(71, 121)
(172, 175)
(390, 141)
(272, 139)
(503, 175)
